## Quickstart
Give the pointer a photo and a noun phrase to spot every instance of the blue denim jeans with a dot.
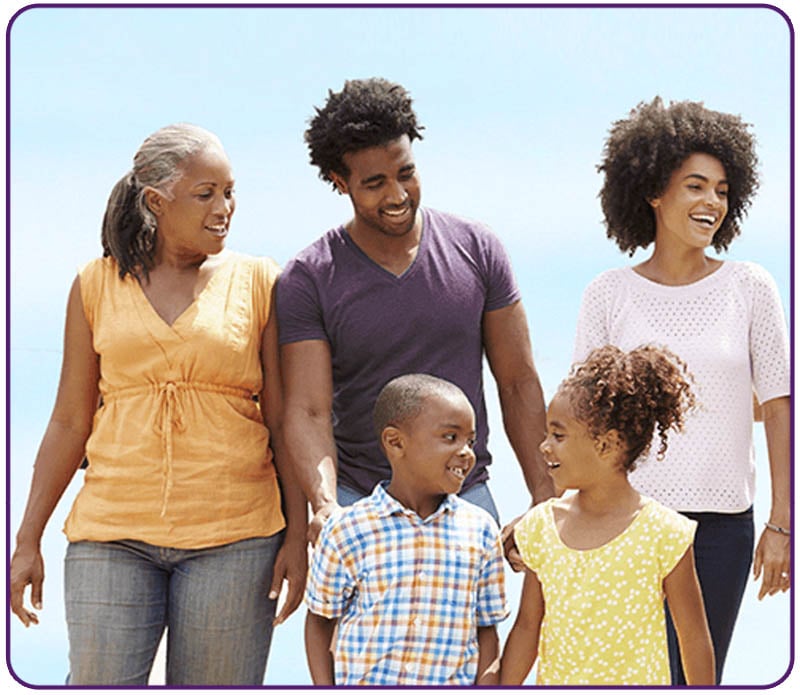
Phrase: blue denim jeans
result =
(478, 494)
(723, 552)
(121, 595)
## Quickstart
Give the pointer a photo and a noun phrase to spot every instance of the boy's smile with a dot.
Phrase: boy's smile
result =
(431, 455)
(459, 472)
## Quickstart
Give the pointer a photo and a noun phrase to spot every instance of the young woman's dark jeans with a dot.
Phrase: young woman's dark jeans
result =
(723, 549)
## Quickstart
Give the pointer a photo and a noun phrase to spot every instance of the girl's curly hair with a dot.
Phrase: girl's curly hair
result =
(634, 393)
(366, 113)
(643, 150)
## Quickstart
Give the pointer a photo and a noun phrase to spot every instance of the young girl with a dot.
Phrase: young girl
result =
(602, 557)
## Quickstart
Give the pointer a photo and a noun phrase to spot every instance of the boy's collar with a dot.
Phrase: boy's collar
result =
(387, 505)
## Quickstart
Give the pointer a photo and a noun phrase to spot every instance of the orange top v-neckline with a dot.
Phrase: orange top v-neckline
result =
(190, 307)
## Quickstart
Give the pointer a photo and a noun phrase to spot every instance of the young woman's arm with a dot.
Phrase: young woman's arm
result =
(522, 645)
(772, 556)
(319, 635)
(685, 602)
(60, 453)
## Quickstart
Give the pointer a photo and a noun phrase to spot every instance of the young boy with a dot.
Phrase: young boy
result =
(412, 575)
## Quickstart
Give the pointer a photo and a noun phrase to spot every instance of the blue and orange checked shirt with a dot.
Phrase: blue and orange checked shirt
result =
(409, 594)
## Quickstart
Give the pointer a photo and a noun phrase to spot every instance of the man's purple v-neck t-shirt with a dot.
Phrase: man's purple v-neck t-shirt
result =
(380, 326)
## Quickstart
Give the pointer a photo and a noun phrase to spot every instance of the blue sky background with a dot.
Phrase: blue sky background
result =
(516, 103)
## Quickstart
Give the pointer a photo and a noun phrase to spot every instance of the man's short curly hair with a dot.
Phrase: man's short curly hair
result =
(642, 152)
(366, 113)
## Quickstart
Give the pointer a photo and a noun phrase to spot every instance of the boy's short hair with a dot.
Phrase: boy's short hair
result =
(366, 113)
(402, 399)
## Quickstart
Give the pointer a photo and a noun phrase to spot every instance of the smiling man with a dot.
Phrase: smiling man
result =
(397, 289)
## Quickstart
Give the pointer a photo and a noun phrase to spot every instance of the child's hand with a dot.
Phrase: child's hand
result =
(510, 549)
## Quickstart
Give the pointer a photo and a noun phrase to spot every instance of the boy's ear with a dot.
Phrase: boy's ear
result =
(392, 440)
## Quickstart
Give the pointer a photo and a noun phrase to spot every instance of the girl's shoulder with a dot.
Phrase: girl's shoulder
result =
(534, 534)
(535, 519)
(667, 520)
(541, 509)
(667, 535)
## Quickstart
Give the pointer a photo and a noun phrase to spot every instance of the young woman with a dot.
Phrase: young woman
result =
(681, 177)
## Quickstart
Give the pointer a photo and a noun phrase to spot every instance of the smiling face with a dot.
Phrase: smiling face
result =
(692, 207)
(194, 219)
(572, 455)
(431, 454)
(384, 188)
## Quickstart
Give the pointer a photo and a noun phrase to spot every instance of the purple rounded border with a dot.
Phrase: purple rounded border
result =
(461, 6)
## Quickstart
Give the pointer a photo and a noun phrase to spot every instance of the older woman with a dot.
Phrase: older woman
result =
(681, 177)
(179, 523)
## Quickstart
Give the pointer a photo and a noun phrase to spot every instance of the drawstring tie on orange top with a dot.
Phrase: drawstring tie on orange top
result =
(168, 418)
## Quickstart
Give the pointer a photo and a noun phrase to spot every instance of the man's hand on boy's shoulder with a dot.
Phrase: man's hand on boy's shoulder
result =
(322, 514)
(510, 549)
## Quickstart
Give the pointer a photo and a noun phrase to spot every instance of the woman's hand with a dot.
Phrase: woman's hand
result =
(60, 454)
(772, 561)
(291, 565)
(27, 567)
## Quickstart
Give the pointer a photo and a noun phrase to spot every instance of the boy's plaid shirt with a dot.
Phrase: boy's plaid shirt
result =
(409, 594)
